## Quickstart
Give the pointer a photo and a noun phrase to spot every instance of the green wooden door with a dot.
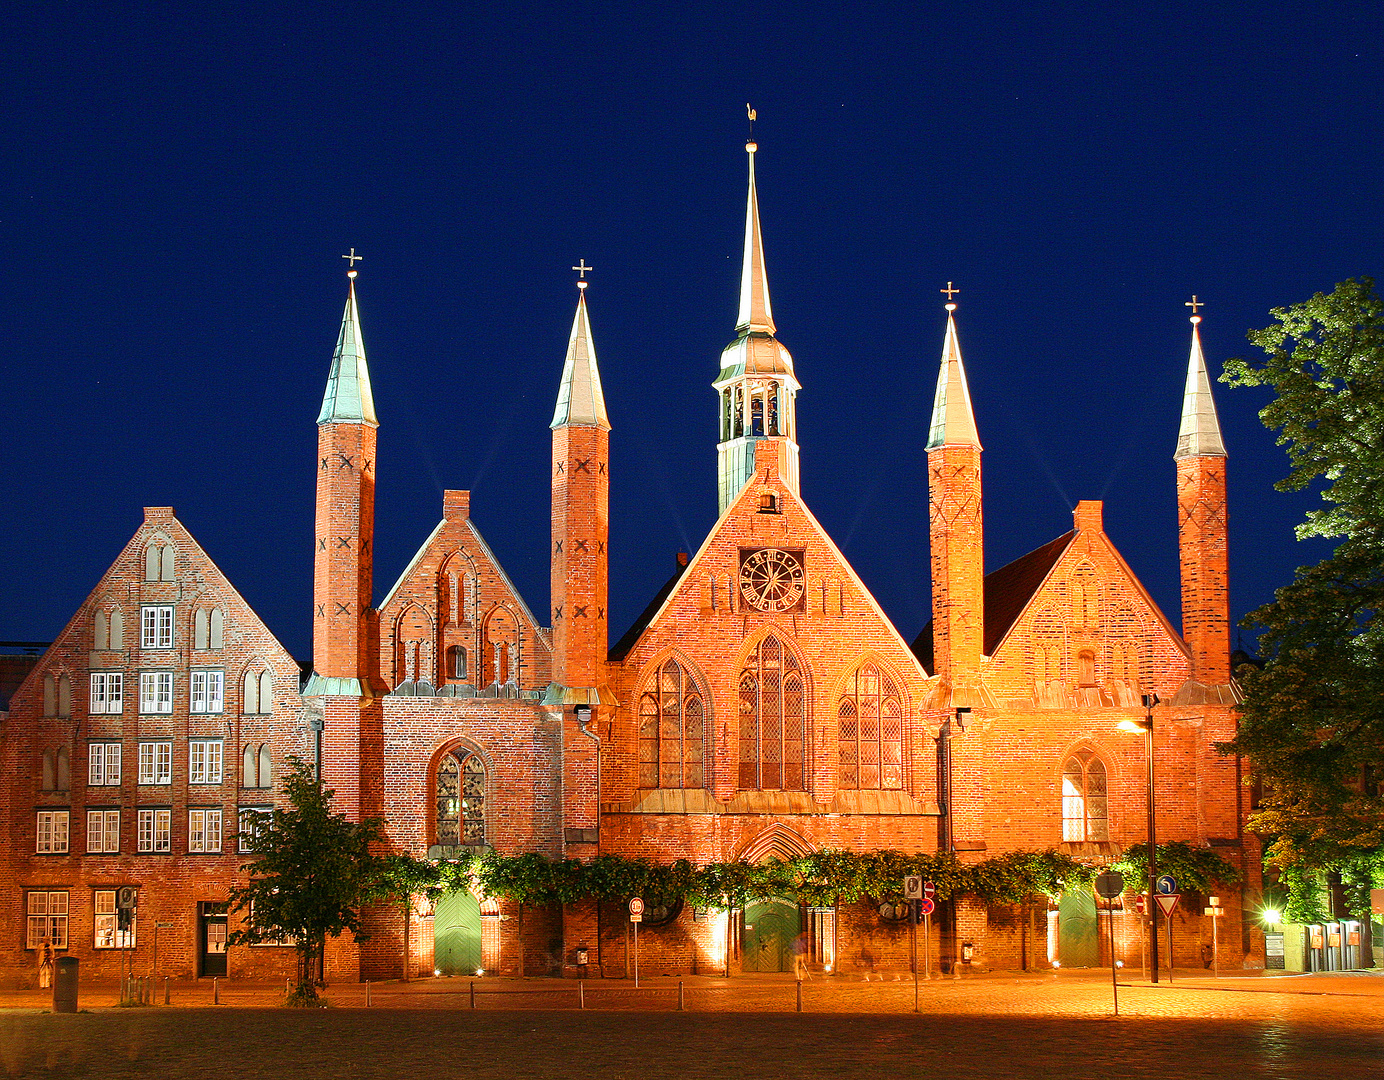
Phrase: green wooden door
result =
(1078, 931)
(770, 929)
(457, 934)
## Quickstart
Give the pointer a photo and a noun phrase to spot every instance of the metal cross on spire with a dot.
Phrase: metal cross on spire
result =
(753, 115)
(351, 261)
(1194, 303)
(582, 270)
(950, 291)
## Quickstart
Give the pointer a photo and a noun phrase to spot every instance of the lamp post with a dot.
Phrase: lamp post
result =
(1146, 726)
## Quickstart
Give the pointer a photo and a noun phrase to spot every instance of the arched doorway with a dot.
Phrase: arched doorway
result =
(766, 941)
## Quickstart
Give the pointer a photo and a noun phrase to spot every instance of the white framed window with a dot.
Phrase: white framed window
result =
(108, 932)
(156, 691)
(47, 919)
(204, 761)
(52, 832)
(156, 763)
(204, 830)
(208, 691)
(156, 626)
(103, 831)
(107, 692)
(155, 830)
(253, 821)
(103, 764)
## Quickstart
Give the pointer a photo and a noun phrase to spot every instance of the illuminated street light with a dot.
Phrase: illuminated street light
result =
(1146, 726)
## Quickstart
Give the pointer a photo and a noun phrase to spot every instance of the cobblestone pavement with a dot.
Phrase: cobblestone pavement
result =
(996, 1026)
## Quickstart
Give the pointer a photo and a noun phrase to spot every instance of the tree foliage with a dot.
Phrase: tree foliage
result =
(1313, 718)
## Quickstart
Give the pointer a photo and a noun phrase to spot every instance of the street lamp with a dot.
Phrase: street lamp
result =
(1146, 726)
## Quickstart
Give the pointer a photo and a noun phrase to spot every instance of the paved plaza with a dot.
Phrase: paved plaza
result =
(994, 1026)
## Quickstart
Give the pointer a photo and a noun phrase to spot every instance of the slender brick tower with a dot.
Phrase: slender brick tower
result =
(580, 612)
(955, 528)
(342, 562)
(1201, 524)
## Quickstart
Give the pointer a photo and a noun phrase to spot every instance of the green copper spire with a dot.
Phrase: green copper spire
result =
(953, 421)
(580, 399)
(348, 397)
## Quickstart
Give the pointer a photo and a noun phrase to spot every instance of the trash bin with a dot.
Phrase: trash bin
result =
(65, 985)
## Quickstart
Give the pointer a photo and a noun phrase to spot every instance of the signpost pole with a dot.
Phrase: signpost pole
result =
(1114, 983)
(1109, 885)
(927, 947)
(913, 911)
(636, 955)
(1215, 946)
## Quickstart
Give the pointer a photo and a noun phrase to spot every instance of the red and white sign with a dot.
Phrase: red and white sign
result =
(1141, 904)
(927, 905)
(636, 909)
(1167, 902)
(929, 889)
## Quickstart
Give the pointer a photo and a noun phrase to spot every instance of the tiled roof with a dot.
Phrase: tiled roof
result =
(1008, 591)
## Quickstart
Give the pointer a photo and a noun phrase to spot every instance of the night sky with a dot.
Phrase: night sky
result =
(178, 189)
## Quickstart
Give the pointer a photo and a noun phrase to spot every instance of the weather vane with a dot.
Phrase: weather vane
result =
(582, 270)
(753, 117)
(1194, 303)
(351, 261)
(950, 291)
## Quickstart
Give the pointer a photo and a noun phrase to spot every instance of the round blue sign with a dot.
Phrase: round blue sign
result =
(1167, 884)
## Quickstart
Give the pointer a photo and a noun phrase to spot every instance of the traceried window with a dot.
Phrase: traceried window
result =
(1085, 596)
(772, 728)
(1084, 799)
(461, 800)
(871, 731)
(671, 716)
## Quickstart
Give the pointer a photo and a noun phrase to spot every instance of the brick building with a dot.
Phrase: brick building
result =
(763, 705)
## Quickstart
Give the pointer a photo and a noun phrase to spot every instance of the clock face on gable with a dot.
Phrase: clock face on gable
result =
(772, 579)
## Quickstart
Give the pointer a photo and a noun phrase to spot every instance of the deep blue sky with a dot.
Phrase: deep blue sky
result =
(178, 189)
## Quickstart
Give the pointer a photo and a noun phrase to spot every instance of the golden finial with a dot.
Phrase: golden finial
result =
(1194, 303)
(351, 261)
(950, 291)
(582, 270)
(751, 146)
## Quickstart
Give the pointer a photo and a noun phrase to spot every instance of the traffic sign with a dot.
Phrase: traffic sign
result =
(912, 887)
(125, 897)
(636, 905)
(1109, 884)
(1141, 904)
(1166, 884)
(929, 889)
(1167, 902)
(927, 905)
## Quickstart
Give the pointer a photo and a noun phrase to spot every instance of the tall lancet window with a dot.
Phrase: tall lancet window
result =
(460, 799)
(670, 731)
(1084, 799)
(871, 731)
(772, 727)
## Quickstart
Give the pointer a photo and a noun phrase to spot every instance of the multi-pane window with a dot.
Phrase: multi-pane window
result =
(870, 720)
(1084, 798)
(460, 799)
(203, 830)
(772, 728)
(156, 763)
(107, 691)
(51, 836)
(47, 919)
(155, 830)
(103, 764)
(208, 691)
(156, 626)
(204, 761)
(156, 691)
(253, 821)
(103, 831)
(670, 731)
(108, 932)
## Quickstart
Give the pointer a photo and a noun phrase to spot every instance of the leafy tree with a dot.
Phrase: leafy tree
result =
(399, 878)
(1313, 718)
(310, 873)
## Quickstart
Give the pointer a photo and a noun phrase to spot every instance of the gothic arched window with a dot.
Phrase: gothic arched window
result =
(461, 800)
(871, 731)
(1085, 596)
(772, 729)
(671, 718)
(1084, 798)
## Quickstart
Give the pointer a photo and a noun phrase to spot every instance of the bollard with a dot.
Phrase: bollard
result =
(800, 995)
(288, 986)
(367, 993)
(65, 984)
(215, 992)
(165, 989)
(581, 994)
(680, 1008)
(473, 995)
